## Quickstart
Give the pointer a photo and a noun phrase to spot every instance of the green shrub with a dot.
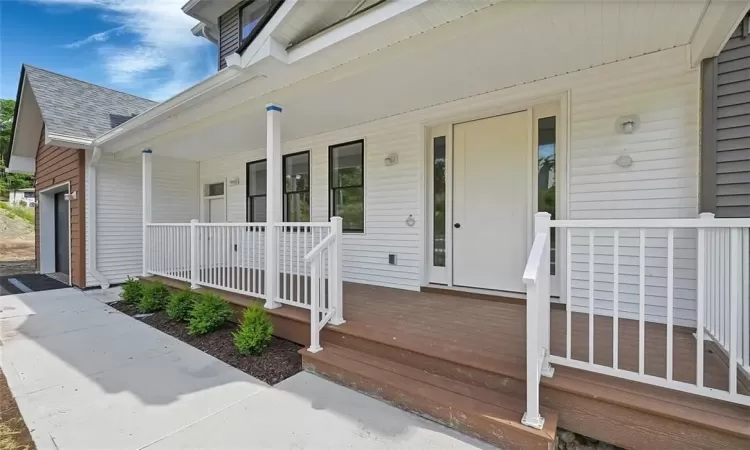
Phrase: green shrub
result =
(254, 333)
(180, 304)
(21, 212)
(209, 313)
(132, 291)
(155, 296)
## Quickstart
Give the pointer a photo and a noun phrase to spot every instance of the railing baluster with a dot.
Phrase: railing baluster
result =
(642, 301)
(616, 299)
(305, 290)
(700, 307)
(569, 294)
(298, 260)
(735, 287)
(745, 296)
(670, 302)
(591, 296)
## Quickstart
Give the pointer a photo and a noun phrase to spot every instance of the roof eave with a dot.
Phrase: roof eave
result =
(9, 151)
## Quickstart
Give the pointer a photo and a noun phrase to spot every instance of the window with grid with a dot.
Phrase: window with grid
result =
(346, 177)
(256, 191)
(296, 177)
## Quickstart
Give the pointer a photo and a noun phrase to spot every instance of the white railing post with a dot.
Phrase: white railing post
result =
(531, 417)
(194, 254)
(701, 284)
(314, 304)
(336, 277)
(542, 226)
(146, 204)
(273, 202)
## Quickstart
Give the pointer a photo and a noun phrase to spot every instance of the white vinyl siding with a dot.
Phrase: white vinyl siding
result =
(392, 193)
(119, 215)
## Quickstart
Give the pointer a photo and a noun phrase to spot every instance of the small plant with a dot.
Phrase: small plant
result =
(132, 291)
(154, 298)
(209, 313)
(254, 333)
(180, 304)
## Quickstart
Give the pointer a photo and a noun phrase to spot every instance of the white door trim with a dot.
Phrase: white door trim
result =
(562, 172)
(206, 198)
(47, 242)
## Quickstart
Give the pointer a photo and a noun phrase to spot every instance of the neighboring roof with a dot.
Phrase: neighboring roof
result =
(78, 109)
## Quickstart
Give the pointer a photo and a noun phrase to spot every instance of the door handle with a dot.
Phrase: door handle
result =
(456, 225)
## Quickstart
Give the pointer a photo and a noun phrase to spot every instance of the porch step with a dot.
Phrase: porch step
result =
(484, 413)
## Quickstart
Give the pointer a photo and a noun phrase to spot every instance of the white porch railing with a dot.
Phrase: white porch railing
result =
(688, 265)
(232, 257)
(326, 299)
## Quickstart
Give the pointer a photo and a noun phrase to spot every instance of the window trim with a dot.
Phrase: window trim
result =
(284, 193)
(248, 197)
(245, 43)
(331, 188)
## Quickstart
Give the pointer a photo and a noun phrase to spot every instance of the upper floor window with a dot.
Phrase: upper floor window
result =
(346, 177)
(251, 16)
(297, 187)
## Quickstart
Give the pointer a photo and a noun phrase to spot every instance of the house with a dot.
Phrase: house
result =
(26, 196)
(56, 118)
(494, 214)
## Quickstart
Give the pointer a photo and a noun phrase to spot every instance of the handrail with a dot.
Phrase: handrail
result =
(320, 247)
(652, 223)
(536, 255)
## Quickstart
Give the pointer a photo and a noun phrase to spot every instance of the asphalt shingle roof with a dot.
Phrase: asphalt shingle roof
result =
(79, 109)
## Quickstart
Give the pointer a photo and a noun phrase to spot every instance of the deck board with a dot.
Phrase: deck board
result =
(496, 330)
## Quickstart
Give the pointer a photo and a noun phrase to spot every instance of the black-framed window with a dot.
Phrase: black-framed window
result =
(296, 176)
(256, 191)
(346, 182)
(253, 16)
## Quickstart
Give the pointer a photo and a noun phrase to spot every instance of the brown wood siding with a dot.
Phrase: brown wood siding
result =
(726, 129)
(229, 34)
(54, 166)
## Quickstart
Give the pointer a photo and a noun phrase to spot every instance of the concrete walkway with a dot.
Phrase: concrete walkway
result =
(88, 377)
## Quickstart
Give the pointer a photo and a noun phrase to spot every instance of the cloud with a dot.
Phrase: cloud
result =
(97, 37)
(160, 54)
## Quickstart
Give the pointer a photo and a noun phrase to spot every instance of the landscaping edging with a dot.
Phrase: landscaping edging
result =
(279, 361)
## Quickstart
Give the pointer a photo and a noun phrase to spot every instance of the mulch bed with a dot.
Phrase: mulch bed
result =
(278, 361)
(14, 435)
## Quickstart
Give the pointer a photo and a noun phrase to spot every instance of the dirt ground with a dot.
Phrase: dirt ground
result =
(13, 432)
(16, 245)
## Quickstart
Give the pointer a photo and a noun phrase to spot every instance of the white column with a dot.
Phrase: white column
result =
(146, 191)
(337, 282)
(273, 200)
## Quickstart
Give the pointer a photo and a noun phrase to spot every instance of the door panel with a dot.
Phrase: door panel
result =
(62, 235)
(490, 202)
(216, 210)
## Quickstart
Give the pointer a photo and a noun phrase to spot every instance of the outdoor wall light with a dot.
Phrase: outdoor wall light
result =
(72, 196)
(627, 124)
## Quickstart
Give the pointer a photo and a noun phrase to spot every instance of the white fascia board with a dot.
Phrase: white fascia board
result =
(172, 105)
(256, 50)
(351, 27)
(59, 140)
(716, 26)
(21, 164)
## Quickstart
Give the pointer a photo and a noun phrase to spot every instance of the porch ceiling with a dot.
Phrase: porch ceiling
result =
(501, 46)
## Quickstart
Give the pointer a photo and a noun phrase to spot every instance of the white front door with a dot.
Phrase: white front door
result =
(216, 210)
(491, 202)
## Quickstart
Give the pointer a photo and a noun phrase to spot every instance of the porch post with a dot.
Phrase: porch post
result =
(146, 203)
(273, 200)
(337, 293)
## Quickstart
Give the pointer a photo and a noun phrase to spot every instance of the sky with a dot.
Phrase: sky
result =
(142, 47)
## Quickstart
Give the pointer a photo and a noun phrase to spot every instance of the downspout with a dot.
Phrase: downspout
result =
(91, 224)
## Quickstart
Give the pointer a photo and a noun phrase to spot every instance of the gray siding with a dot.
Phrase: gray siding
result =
(229, 34)
(726, 129)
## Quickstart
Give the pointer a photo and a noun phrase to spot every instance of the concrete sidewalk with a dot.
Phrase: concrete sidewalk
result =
(88, 377)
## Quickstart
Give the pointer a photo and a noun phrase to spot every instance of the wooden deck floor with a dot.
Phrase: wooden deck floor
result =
(494, 333)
